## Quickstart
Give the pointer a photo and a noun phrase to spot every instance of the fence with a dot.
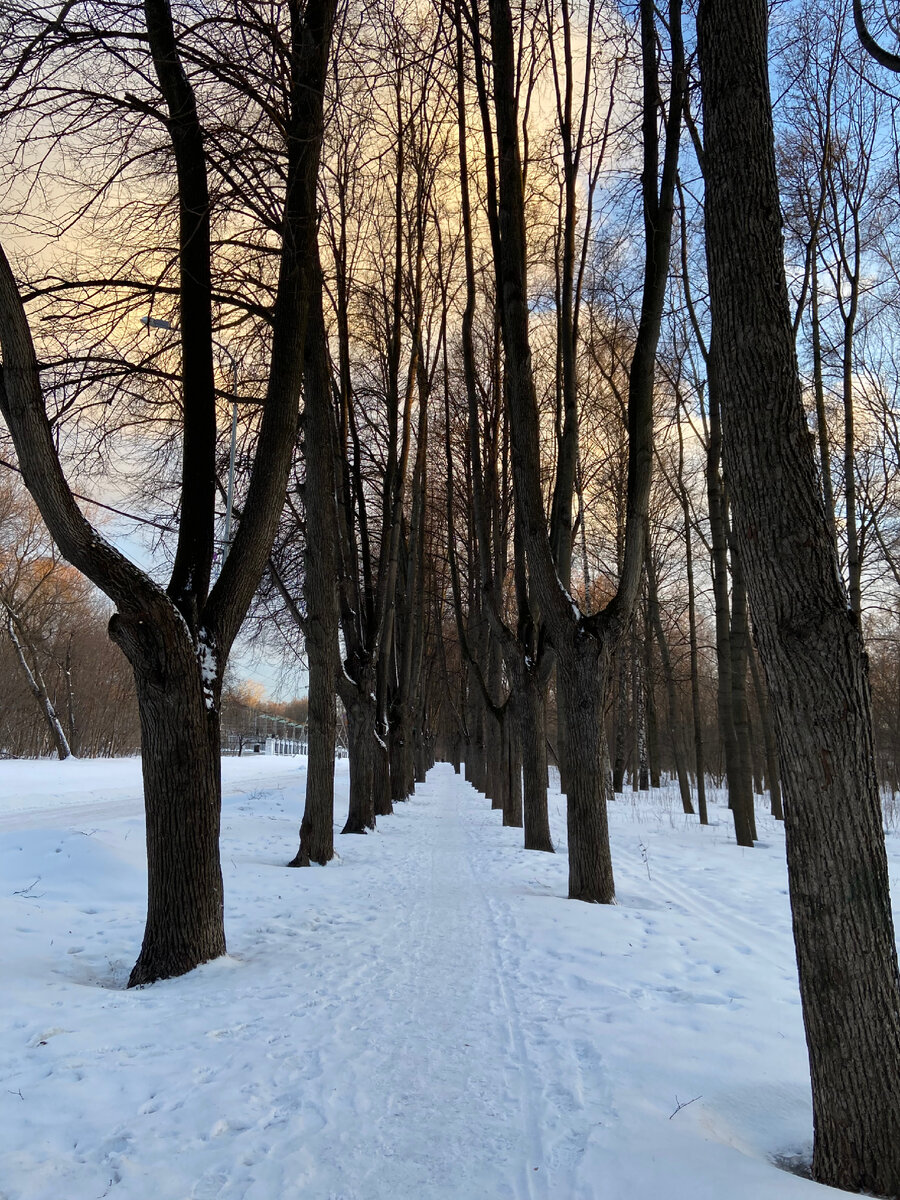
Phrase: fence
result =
(247, 730)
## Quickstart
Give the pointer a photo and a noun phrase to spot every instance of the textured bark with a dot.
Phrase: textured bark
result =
(182, 798)
(719, 541)
(740, 777)
(362, 751)
(533, 735)
(583, 679)
(512, 807)
(381, 776)
(809, 642)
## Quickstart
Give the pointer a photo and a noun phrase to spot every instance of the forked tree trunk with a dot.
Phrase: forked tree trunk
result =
(583, 644)
(182, 798)
(809, 643)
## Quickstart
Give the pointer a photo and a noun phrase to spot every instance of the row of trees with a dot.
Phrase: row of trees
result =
(425, 222)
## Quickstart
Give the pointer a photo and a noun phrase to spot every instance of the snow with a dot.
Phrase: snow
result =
(206, 656)
(427, 1018)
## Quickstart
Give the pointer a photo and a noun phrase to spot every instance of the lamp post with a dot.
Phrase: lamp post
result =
(160, 323)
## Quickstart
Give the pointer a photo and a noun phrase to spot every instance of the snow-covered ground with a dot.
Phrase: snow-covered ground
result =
(428, 1018)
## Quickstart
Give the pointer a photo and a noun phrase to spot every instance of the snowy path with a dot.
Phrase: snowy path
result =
(428, 1018)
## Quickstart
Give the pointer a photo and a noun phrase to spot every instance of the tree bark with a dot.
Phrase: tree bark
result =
(320, 586)
(740, 779)
(618, 771)
(362, 752)
(809, 642)
(533, 734)
(182, 799)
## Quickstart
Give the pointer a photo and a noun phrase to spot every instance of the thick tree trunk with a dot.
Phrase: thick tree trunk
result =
(362, 752)
(809, 643)
(583, 679)
(401, 754)
(530, 710)
(182, 798)
(381, 775)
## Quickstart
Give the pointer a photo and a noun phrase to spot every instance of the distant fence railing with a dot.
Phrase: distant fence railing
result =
(248, 730)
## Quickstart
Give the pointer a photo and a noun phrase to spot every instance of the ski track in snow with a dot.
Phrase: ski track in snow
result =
(427, 1018)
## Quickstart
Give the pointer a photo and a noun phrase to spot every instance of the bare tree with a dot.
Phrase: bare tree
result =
(810, 644)
(178, 639)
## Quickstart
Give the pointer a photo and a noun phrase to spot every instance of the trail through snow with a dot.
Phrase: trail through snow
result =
(427, 1018)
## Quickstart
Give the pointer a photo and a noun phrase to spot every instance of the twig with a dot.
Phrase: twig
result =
(680, 1106)
(24, 891)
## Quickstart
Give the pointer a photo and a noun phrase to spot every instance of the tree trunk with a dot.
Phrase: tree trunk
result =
(719, 538)
(740, 780)
(618, 774)
(320, 588)
(640, 776)
(530, 709)
(809, 643)
(182, 798)
(512, 809)
(669, 677)
(381, 775)
(699, 750)
(773, 775)
(363, 749)
(38, 689)
(652, 724)
(583, 678)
